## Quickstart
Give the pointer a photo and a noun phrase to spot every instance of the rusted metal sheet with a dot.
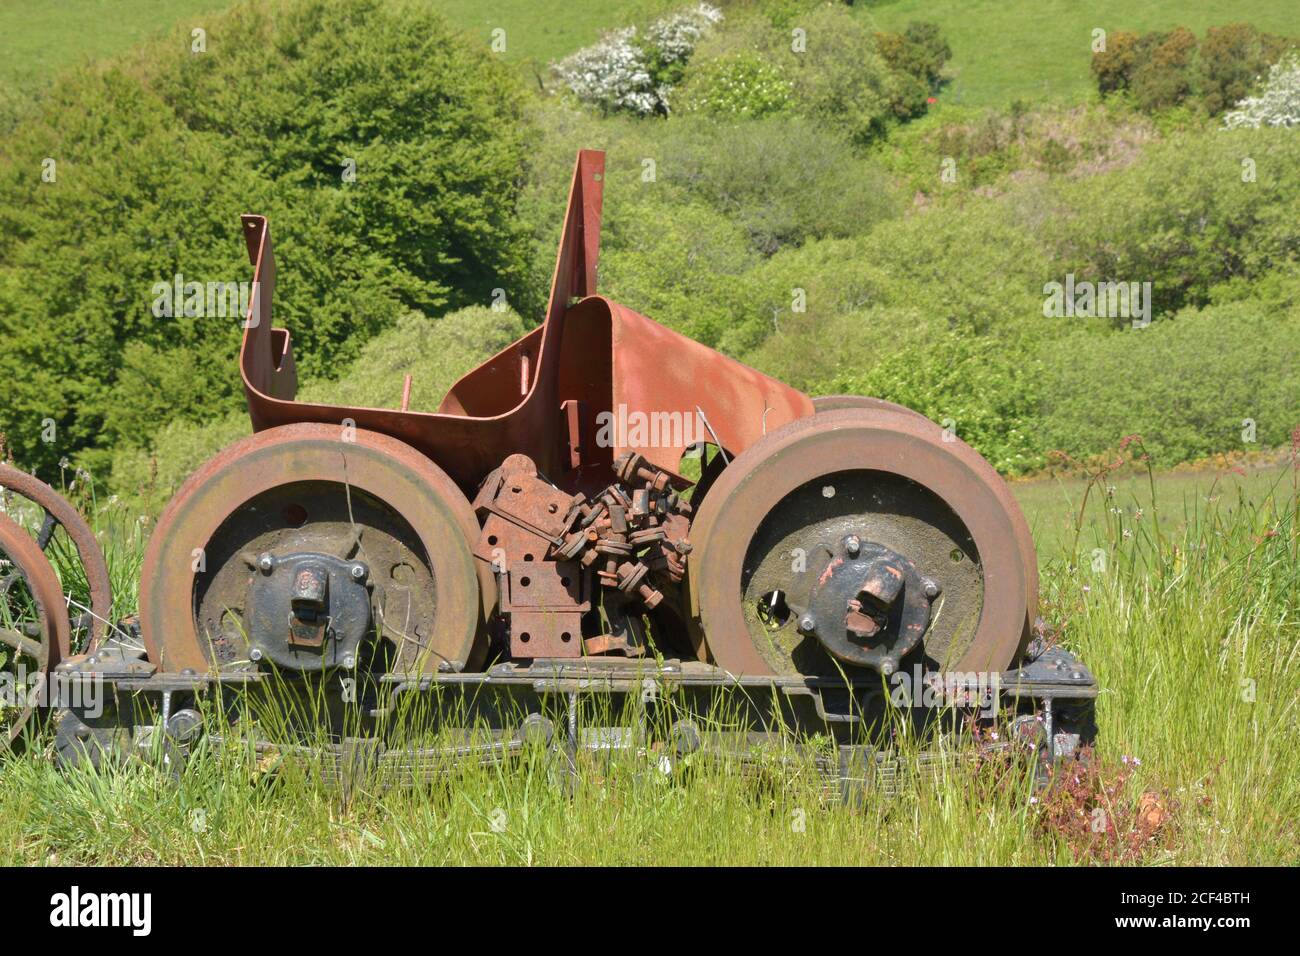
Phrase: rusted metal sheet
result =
(605, 359)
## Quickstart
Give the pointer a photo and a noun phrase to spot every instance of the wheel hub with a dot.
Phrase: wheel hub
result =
(308, 610)
(870, 606)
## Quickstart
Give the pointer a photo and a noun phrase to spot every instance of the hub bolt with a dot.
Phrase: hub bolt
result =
(807, 623)
(852, 545)
(266, 563)
(358, 572)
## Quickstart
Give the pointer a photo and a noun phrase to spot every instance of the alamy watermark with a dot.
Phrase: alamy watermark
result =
(636, 429)
(212, 300)
(18, 688)
(1101, 300)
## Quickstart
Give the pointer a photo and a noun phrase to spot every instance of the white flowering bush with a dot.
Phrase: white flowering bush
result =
(625, 72)
(1278, 104)
(672, 39)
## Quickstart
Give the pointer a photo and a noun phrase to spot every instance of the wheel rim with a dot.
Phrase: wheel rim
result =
(905, 471)
(348, 494)
(29, 652)
(58, 512)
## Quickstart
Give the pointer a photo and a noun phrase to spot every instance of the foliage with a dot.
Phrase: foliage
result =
(156, 159)
(919, 53)
(1164, 69)
(1193, 213)
(743, 84)
(981, 388)
(1191, 386)
(1278, 103)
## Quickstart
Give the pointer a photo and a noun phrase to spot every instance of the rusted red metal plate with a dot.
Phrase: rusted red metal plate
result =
(608, 360)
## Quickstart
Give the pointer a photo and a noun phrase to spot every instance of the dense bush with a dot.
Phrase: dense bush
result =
(158, 155)
(1190, 386)
(741, 84)
(1196, 212)
(1164, 69)
(917, 54)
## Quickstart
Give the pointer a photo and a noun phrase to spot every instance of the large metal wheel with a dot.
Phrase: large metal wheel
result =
(312, 546)
(1024, 539)
(34, 631)
(859, 539)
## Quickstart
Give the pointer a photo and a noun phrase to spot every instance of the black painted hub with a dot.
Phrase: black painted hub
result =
(308, 611)
(870, 606)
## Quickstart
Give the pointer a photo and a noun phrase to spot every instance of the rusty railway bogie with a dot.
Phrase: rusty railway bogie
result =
(539, 537)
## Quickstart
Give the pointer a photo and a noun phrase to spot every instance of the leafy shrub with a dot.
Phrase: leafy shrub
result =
(1278, 103)
(1163, 70)
(743, 84)
(1232, 59)
(917, 54)
(782, 180)
(1187, 385)
(156, 159)
(840, 78)
(985, 388)
(1193, 213)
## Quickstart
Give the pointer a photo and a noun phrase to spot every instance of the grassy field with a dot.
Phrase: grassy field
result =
(1007, 51)
(1192, 635)
(39, 39)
